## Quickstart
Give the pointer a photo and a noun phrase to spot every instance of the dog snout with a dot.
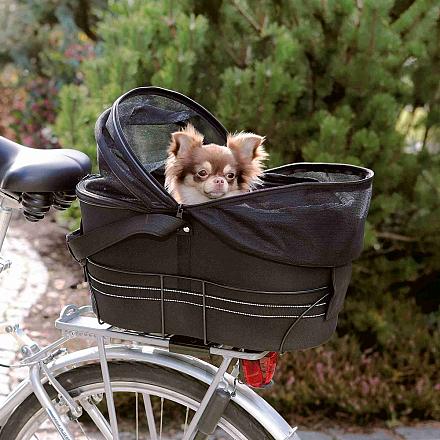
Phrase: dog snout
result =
(219, 181)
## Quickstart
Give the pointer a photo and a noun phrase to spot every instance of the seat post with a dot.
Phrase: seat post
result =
(7, 204)
(5, 218)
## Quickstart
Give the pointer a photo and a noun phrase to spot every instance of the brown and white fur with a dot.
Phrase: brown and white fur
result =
(197, 173)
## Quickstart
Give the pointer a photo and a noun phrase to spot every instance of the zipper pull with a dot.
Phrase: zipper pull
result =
(179, 211)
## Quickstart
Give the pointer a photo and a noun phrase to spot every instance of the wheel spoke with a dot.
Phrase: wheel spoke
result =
(161, 418)
(98, 418)
(150, 416)
(82, 430)
(186, 420)
(137, 417)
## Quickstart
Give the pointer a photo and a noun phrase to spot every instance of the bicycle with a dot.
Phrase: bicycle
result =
(63, 389)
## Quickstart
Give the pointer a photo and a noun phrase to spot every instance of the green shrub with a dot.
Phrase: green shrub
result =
(397, 379)
(32, 113)
(41, 38)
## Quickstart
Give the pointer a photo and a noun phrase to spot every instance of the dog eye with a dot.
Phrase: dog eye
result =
(202, 173)
(230, 175)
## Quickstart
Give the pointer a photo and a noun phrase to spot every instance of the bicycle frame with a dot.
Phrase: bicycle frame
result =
(45, 364)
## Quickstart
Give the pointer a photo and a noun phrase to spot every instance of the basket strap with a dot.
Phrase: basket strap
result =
(82, 245)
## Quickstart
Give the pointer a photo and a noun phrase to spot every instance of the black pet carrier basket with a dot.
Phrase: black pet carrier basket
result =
(266, 270)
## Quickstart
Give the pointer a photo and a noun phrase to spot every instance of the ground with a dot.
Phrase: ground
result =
(44, 278)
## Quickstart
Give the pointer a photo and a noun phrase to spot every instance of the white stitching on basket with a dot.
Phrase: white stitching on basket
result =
(211, 283)
(155, 289)
(208, 307)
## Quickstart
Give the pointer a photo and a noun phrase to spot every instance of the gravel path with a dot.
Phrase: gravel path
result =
(39, 283)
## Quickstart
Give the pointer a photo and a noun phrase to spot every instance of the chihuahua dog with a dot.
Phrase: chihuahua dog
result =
(197, 173)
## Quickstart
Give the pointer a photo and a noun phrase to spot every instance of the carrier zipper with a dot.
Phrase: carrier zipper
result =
(179, 213)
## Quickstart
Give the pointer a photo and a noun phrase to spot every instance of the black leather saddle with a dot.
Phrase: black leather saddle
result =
(28, 170)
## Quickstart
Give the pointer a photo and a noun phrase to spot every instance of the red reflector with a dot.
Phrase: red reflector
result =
(259, 373)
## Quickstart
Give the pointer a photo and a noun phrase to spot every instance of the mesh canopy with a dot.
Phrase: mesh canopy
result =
(148, 120)
(133, 137)
(310, 222)
(306, 214)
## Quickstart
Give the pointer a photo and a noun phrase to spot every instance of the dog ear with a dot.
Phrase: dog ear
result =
(185, 140)
(248, 146)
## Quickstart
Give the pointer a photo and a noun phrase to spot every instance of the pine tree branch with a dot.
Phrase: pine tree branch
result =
(425, 138)
(429, 180)
(395, 237)
(419, 16)
(360, 8)
(247, 16)
(231, 52)
(399, 8)
(312, 65)
(82, 19)
(372, 44)
(350, 51)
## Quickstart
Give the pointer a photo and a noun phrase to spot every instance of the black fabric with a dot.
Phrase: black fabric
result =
(83, 245)
(249, 318)
(184, 258)
(308, 223)
(251, 302)
(149, 115)
(124, 172)
(340, 280)
(272, 179)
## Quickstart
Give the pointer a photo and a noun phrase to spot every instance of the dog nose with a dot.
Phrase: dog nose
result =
(219, 181)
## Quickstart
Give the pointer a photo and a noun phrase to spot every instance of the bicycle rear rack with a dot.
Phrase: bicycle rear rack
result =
(76, 322)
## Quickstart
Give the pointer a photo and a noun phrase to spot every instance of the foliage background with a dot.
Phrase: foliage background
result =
(337, 81)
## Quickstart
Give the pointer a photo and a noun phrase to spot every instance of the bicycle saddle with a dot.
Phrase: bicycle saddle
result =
(28, 170)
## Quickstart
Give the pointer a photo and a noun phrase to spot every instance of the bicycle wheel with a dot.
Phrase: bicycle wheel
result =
(151, 402)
